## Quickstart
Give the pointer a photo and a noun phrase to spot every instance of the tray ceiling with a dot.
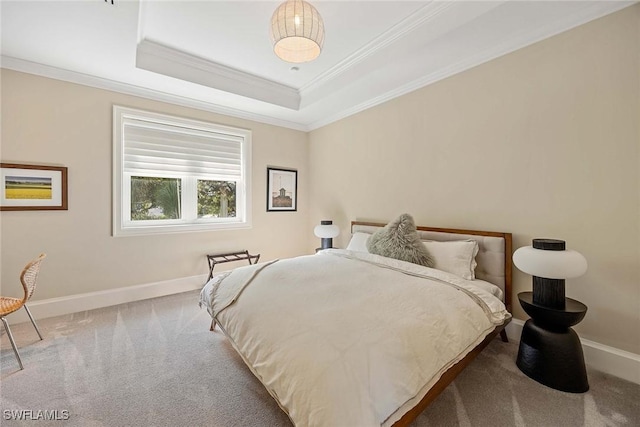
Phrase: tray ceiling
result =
(217, 56)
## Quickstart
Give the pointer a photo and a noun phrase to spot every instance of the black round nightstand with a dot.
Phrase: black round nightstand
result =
(550, 351)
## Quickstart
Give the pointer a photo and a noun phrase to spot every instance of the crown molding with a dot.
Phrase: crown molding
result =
(598, 10)
(35, 68)
(161, 59)
(327, 109)
(399, 30)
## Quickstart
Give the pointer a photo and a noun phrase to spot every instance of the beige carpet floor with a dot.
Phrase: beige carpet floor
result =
(155, 363)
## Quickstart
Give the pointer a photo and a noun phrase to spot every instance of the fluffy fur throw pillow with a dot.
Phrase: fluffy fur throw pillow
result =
(399, 239)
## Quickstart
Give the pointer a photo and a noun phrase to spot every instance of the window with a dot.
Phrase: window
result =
(173, 174)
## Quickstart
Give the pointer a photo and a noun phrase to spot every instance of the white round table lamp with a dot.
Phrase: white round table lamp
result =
(326, 231)
(550, 263)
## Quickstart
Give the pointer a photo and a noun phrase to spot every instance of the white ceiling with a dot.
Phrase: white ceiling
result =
(217, 56)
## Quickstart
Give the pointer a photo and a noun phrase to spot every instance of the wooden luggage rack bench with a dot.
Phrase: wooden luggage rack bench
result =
(216, 259)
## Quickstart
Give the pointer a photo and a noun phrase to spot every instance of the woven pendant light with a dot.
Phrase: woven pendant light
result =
(297, 31)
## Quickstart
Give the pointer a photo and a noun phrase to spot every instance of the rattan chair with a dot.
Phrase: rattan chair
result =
(8, 305)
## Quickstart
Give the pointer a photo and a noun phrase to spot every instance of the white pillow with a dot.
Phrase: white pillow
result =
(456, 257)
(358, 242)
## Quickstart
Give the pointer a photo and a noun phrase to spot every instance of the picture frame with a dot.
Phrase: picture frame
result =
(282, 190)
(32, 187)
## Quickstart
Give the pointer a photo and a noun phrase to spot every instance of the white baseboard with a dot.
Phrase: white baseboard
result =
(603, 358)
(610, 360)
(88, 301)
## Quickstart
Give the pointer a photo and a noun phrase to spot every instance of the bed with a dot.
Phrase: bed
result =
(347, 337)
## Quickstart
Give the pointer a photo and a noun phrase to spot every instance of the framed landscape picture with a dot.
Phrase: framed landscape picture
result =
(282, 189)
(30, 187)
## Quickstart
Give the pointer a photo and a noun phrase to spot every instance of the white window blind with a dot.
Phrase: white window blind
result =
(176, 150)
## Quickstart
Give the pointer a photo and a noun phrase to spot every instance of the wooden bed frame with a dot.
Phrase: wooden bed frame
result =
(450, 374)
(446, 378)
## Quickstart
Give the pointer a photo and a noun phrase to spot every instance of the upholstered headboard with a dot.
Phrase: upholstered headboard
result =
(494, 254)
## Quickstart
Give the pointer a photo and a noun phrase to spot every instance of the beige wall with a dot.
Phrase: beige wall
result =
(47, 121)
(543, 142)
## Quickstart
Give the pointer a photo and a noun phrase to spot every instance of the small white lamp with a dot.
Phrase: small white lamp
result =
(326, 231)
(550, 263)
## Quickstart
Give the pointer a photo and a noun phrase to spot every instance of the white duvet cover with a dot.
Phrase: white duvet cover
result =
(349, 339)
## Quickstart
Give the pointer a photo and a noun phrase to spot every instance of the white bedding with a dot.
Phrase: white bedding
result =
(345, 338)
